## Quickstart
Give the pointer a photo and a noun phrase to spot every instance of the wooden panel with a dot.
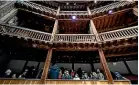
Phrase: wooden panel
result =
(7, 81)
(67, 82)
(1, 81)
(101, 82)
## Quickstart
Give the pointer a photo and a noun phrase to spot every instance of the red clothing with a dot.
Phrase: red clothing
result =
(72, 74)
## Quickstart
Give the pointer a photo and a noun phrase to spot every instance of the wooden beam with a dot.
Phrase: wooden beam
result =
(122, 54)
(105, 66)
(46, 65)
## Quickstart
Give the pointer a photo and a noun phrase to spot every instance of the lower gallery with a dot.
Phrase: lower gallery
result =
(71, 42)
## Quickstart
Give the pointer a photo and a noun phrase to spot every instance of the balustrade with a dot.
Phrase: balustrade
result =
(6, 8)
(38, 7)
(24, 32)
(73, 13)
(75, 38)
(119, 34)
(69, 38)
(110, 6)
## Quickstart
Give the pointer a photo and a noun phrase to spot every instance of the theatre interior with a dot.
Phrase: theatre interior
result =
(78, 42)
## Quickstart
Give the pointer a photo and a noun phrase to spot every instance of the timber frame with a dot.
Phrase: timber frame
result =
(108, 44)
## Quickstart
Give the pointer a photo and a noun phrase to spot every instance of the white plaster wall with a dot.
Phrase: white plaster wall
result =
(16, 65)
(133, 65)
(84, 66)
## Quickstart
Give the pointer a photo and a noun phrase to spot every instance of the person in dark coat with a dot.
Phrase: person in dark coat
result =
(79, 72)
(54, 72)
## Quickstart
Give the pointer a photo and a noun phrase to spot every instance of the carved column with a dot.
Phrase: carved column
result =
(105, 66)
(46, 65)
(55, 28)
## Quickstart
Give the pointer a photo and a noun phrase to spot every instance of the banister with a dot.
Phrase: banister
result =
(24, 28)
(70, 38)
(37, 6)
(27, 33)
(119, 34)
(107, 7)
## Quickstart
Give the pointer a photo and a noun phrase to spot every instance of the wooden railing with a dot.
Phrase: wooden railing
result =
(119, 34)
(73, 13)
(37, 7)
(75, 38)
(62, 82)
(24, 32)
(7, 7)
(110, 6)
(69, 38)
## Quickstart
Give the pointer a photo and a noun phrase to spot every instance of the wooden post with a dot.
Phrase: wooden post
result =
(92, 26)
(105, 66)
(46, 65)
(101, 54)
(54, 29)
(55, 25)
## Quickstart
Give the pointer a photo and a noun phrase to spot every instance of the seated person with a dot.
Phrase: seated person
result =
(93, 75)
(54, 71)
(76, 77)
(100, 75)
(119, 76)
(85, 76)
(66, 75)
(8, 73)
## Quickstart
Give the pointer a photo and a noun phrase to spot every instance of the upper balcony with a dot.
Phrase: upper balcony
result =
(126, 33)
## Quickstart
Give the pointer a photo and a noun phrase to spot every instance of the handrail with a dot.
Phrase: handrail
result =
(110, 6)
(73, 13)
(42, 6)
(38, 7)
(24, 32)
(69, 38)
(119, 34)
(6, 8)
(73, 38)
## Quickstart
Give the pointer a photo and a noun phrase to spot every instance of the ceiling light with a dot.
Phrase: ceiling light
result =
(95, 1)
(73, 17)
(110, 12)
(67, 3)
(74, 3)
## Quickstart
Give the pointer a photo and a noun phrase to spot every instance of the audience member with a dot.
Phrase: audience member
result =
(72, 73)
(54, 71)
(79, 72)
(8, 73)
(76, 77)
(119, 76)
(66, 75)
(100, 75)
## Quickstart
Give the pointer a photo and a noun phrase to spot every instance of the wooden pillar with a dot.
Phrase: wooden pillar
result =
(105, 66)
(55, 25)
(54, 29)
(92, 26)
(46, 65)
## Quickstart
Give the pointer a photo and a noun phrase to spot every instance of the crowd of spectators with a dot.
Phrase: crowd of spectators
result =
(62, 73)
(56, 72)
